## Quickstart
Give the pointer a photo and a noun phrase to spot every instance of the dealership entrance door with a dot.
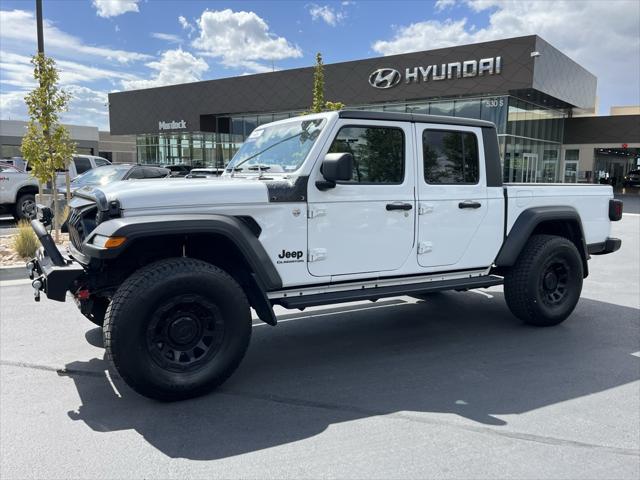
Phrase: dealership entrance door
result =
(612, 164)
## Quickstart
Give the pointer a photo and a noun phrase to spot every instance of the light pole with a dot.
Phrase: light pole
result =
(39, 26)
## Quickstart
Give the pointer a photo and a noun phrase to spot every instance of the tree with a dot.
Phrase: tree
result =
(319, 104)
(47, 145)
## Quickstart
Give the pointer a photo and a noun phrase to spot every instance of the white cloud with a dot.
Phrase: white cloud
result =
(241, 39)
(18, 71)
(186, 25)
(174, 66)
(87, 107)
(18, 32)
(326, 14)
(113, 8)
(444, 4)
(168, 37)
(609, 53)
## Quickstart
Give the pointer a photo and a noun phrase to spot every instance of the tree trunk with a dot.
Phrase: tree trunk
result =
(67, 182)
(56, 221)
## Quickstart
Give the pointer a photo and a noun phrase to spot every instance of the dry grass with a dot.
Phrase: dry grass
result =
(25, 242)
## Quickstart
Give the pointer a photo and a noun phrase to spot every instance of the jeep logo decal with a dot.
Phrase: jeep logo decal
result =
(384, 78)
(290, 256)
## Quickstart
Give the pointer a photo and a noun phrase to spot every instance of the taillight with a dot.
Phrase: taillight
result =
(615, 210)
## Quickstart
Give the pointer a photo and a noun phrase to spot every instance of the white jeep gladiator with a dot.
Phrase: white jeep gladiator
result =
(321, 209)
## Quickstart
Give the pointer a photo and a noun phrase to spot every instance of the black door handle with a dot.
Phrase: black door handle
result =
(399, 206)
(469, 204)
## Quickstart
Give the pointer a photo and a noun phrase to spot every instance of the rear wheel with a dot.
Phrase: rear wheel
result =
(544, 285)
(177, 328)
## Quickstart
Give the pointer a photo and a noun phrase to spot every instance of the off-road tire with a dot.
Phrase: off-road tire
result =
(19, 212)
(545, 261)
(152, 302)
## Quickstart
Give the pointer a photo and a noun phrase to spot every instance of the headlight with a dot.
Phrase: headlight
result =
(102, 241)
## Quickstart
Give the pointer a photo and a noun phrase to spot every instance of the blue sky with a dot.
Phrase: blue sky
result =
(111, 45)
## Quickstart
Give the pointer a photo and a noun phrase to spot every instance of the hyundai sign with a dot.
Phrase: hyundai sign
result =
(384, 78)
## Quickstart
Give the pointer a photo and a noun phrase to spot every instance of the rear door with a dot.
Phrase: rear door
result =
(366, 224)
(452, 196)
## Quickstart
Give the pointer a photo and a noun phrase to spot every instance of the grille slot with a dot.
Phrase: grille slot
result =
(80, 224)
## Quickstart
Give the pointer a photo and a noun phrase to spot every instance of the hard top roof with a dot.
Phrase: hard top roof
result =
(414, 117)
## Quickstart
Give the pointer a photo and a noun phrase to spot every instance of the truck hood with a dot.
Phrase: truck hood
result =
(176, 193)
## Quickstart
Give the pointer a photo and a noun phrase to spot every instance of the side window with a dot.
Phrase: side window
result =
(450, 157)
(101, 162)
(150, 172)
(378, 153)
(137, 173)
(82, 164)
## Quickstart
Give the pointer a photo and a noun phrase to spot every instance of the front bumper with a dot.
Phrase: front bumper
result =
(52, 272)
(610, 245)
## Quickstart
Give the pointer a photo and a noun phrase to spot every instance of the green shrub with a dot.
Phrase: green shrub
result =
(25, 242)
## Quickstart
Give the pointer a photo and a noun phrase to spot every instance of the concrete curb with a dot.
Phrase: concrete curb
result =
(17, 272)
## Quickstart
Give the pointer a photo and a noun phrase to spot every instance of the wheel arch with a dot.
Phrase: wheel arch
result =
(24, 190)
(225, 241)
(552, 220)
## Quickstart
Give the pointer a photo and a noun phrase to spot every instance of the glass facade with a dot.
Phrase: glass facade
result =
(529, 135)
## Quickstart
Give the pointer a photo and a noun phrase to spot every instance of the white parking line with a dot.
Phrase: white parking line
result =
(19, 281)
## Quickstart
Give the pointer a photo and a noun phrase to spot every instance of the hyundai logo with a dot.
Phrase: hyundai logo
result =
(384, 78)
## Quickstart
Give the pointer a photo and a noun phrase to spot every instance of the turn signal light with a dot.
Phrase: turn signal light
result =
(108, 242)
(113, 242)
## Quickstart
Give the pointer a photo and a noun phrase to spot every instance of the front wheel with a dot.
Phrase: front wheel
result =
(544, 285)
(25, 208)
(177, 328)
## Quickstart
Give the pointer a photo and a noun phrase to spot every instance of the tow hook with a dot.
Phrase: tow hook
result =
(31, 266)
(37, 285)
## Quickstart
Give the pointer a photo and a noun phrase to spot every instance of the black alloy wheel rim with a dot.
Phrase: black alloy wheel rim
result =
(554, 281)
(28, 209)
(184, 333)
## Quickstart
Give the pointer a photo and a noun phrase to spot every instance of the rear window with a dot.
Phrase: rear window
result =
(82, 164)
(450, 157)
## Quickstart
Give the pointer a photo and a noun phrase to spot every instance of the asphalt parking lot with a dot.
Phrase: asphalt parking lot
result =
(453, 387)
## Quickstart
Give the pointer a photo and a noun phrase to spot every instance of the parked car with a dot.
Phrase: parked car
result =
(355, 206)
(205, 172)
(18, 188)
(107, 174)
(632, 179)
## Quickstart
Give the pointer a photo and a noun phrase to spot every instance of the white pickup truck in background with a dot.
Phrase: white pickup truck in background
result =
(18, 187)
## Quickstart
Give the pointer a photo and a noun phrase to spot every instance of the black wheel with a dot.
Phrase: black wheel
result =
(97, 311)
(544, 285)
(25, 208)
(177, 328)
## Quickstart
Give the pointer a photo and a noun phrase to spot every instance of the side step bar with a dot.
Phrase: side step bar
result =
(303, 301)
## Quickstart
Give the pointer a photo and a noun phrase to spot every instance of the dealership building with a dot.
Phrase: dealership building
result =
(541, 101)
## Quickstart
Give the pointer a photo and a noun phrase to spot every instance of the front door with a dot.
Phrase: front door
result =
(452, 199)
(365, 224)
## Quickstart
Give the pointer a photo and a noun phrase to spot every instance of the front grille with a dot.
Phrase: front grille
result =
(80, 223)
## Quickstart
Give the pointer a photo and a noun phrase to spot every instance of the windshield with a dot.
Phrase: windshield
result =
(277, 148)
(101, 175)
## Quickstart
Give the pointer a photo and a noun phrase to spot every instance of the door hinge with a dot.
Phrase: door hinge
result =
(314, 212)
(317, 254)
(424, 247)
(424, 208)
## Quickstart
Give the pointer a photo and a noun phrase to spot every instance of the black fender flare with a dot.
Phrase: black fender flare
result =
(526, 224)
(232, 228)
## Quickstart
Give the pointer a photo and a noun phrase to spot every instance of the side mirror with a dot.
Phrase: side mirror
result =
(335, 167)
